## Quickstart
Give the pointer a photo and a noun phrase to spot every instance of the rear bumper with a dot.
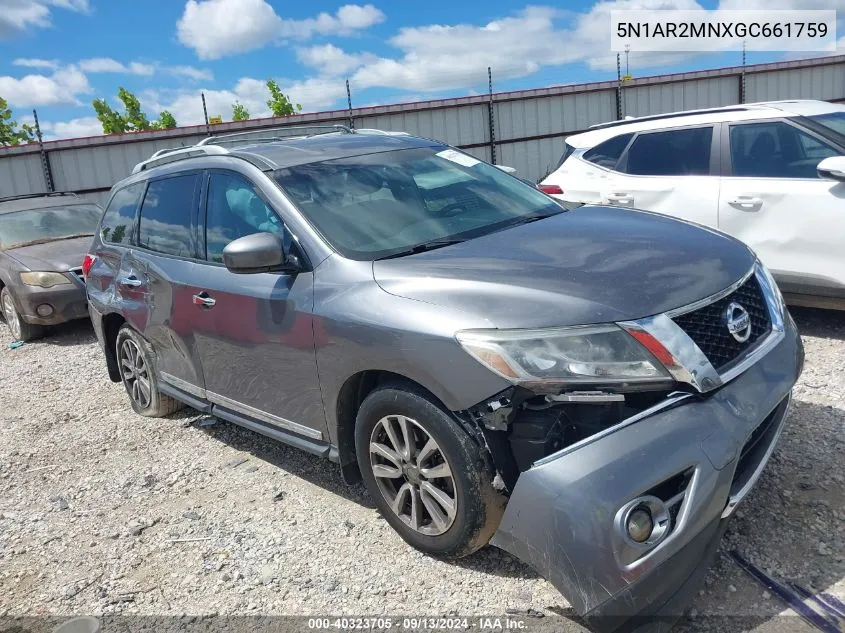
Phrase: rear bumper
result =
(563, 517)
(68, 302)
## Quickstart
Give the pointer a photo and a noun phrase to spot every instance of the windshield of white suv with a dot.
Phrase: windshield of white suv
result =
(833, 121)
(399, 202)
(38, 226)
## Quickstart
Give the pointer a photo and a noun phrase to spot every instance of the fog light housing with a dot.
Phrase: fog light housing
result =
(44, 310)
(640, 525)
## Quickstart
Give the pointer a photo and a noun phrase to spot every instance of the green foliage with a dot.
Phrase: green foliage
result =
(279, 103)
(239, 112)
(132, 119)
(9, 132)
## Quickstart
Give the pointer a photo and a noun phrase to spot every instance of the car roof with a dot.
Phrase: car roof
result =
(742, 112)
(40, 201)
(269, 152)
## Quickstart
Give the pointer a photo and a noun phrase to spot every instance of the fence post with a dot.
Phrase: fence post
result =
(45, 159)
(349, 105)
(742, 76)
(205, 114)
(619, 110)
(491, 117)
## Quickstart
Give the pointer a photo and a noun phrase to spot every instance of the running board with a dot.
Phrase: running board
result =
(316, 447)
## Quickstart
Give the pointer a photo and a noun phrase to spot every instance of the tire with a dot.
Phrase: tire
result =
(477, 507)
(20, 329)
(136, 363)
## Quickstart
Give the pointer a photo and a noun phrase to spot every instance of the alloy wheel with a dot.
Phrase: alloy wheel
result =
(413, 475)
(135, 373)
(11, 316)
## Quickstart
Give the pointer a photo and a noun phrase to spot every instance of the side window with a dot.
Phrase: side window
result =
(234, 209)
(607, 154)
(776, 150)
(119, 218)
(674, 153)
(165, 224)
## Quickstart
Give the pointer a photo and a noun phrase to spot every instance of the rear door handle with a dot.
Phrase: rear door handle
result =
(620, 198)
(202, 299)
(131, 282)
(749, 203)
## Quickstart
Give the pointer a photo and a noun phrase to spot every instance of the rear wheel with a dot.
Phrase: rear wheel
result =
(427, 477)
(137, 371)
(21, 330)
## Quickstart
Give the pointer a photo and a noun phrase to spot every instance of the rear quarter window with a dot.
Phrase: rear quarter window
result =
(119, 217)
(607, 154)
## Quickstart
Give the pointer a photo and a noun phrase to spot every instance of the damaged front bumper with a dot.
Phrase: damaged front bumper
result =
(567, 514)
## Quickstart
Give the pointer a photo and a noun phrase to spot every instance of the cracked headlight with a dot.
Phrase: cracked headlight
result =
(592, 354)
(44, 280)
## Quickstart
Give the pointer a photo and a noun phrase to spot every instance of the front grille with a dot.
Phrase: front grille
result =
(707, 326)
(756, 445)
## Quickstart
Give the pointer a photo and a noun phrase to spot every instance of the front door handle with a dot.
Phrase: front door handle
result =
(747, 203)
(620, 198)
(131, 282)
(202, 299)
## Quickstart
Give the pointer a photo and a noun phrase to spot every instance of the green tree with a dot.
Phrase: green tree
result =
(279, 103)
(132, 119)
(9, 132)
(239, 112)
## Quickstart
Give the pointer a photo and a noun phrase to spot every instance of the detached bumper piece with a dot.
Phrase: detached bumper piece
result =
(625, 523)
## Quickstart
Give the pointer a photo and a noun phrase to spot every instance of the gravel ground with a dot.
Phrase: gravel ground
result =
(104, 512)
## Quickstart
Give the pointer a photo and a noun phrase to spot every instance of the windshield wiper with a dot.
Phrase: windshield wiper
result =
(47, 240)
(425, 246)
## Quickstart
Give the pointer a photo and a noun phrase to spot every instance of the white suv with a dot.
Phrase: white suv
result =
(770, 174)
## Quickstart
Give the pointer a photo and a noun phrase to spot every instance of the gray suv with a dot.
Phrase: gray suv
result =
(593, 390)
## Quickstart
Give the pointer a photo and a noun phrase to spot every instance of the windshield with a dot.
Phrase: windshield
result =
(20, 228)
(832, 121)
(385, 204)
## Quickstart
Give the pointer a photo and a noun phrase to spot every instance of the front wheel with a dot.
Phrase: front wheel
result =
(426, 475)
(21, 330)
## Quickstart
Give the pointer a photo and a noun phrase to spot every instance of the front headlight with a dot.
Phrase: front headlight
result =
(577, 355)
(44, 280)
(770, 285)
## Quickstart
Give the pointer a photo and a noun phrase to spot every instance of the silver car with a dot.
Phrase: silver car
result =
(594, 390)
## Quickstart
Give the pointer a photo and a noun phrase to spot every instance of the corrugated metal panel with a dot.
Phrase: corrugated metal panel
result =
(550, 115)
(821, 82)
(532, 159)
(21, 174)
(682, 95)
(465, 125)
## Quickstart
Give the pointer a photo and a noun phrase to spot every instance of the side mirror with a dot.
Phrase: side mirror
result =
(832, 168)
(507, 170)
(256, 253)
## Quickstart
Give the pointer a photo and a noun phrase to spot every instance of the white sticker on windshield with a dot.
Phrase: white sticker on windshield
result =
(457, 157)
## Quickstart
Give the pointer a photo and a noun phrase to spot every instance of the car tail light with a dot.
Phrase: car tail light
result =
(87, 263)
(550, 189)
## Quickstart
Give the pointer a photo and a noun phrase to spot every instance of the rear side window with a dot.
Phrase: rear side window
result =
(675, 153)
(119, 218)
(607, 154)
(165, 224)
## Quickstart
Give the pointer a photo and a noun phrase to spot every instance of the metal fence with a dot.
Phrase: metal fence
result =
(523, 129)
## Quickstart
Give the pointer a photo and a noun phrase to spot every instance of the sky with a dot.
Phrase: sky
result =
(57, 56)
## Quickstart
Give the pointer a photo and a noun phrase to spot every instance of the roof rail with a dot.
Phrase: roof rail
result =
(24, 196)
(171, 156)
(234, 136)
(669, 115)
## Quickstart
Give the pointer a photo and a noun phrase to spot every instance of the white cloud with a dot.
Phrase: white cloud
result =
(29, 62)
(216, 28)
(63, 86)
(331, 60)
(109, 65)
(75, 128)
(190, 72)
(16, 16)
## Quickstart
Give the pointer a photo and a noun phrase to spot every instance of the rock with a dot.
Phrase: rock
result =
(191, 516)
(267, 574)
(59, 502)
(731, 588)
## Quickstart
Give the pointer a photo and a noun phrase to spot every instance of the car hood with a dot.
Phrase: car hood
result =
(591, 265)
(57, 256)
